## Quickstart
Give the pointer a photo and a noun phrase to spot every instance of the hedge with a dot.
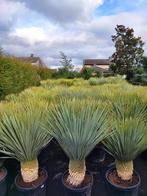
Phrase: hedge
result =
(16, 75)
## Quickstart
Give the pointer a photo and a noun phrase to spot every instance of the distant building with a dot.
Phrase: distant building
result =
(33, 60)
(100, 65)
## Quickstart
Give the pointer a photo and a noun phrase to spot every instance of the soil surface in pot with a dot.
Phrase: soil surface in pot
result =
(85, 182)
(116, 180)
(2, 174)
(36, 183)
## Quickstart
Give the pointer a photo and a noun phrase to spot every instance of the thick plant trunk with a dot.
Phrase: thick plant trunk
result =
(29, 170)
(124, 170)
(77, 170)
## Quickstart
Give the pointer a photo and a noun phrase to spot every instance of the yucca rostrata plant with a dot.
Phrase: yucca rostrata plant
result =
(78, 126)
(23, 135)
(129, 138)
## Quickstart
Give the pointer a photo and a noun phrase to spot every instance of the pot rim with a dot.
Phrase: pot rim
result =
(77, 189)
(122, 187)
(33, 186)
(4, 177)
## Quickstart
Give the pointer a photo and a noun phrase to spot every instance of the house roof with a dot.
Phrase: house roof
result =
(32, 59)
(29, 59)
(96, 62)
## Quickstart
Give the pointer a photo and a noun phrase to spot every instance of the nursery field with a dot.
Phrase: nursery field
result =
(96, 123)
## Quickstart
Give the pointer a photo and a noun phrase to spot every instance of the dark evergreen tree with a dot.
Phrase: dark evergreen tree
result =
(144, 62)
(129, 51)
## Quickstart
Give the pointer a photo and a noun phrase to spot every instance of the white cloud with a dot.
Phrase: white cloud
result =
(30, 34)
(63, 11)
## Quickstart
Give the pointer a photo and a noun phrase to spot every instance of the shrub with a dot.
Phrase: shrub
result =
(62, 73)
(16, 76)
(45, 73)
(87, 72)
(139, 79)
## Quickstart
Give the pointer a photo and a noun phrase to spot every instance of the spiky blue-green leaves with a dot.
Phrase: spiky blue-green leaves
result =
(78, 125)
(23, 132)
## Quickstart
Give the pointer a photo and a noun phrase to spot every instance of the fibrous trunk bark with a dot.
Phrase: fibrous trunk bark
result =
(29, 170)
(77, 170)
(124, 170)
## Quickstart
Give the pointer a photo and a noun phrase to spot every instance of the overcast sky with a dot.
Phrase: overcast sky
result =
(80, 28)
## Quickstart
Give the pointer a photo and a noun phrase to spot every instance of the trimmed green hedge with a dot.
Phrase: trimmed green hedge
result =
(16, 75)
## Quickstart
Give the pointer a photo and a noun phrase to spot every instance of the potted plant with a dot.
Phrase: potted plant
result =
(23, 135)
(127, 141)
(78, 126)
(3, 176)
(131, 106)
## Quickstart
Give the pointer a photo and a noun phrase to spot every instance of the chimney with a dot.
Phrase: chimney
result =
(32, 55)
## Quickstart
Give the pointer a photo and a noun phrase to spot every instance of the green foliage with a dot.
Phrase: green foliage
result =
(87, 72)
(66, 62)
(128, 52)
(23, 131)
(94, 81)
(129, 123)
(101, 81)
(144, 62)
(62, 73)
(16, 76)
(128, 140)
(139, 79)
(126, 106)
(78, 126)
(138, 75)
(66, 71)
(45, 73)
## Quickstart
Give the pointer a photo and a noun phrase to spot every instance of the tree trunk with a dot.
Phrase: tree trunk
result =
(77, 170)
(124, 169)
(29, 170)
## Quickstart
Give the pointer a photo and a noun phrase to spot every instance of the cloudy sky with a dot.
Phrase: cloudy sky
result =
(79, 28)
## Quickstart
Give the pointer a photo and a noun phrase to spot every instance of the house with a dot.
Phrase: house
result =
(33, 60)
(100, 65)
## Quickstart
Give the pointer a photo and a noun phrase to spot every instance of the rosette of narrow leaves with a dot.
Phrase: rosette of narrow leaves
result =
(78, 125)
(127, 105)
(23, 135)
(128, 140)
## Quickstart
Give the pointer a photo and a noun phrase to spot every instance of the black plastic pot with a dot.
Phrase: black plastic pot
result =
(98, 154)
(39, 190)
(3, 184)
(84, 191)
(144, 155)
(115, 190)
(95, 159)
